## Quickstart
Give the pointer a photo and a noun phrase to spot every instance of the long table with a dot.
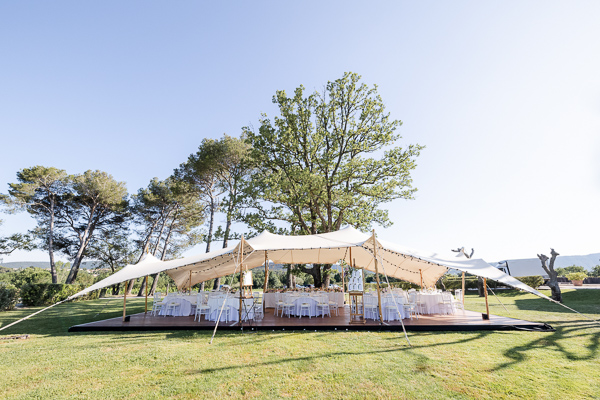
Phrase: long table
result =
(270, 299)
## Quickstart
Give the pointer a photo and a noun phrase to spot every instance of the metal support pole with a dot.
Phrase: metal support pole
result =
(125, 301)
(266, 285)
(487, 306)
(146, 307)
(463, 289)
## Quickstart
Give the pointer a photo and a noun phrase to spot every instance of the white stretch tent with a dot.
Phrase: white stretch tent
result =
(325, 248)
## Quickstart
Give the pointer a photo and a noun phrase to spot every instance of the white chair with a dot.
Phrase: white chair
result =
(323, 305)
(413, 301)
(157, 304)
(278, 304)
(201, 307)
(258, 308)
(371, 307)
(333, 305)
(457, 301)
(172, 307)
(288, 305)
(445, 303)
(304, 307)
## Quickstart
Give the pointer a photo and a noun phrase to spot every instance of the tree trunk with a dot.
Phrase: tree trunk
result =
(217, 284)
(84, 241)
(130, 286)
(480, 288)
(154, 284)
(210, 223)
(552, 274)
(115, 289)
(51, 242)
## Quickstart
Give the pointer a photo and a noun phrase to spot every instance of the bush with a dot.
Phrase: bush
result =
(9, 295)
(533, 281)
(595, 272)
(576, 276)
(31, 275)
(567, 270)
(42, 294)
(455, 282)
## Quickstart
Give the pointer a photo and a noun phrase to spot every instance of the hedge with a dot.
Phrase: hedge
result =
(533, 281)
(9, 294)
(41, 294)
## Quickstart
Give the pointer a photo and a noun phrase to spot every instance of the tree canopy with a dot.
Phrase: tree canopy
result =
(326, 160)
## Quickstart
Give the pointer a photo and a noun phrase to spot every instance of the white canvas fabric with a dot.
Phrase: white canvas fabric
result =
(347, 244)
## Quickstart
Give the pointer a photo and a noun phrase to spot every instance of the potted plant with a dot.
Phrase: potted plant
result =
(577, 278)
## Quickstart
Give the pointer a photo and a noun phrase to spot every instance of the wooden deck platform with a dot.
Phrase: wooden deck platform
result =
(461, 321)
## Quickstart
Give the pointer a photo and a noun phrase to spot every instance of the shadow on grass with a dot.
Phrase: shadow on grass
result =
(405, 348)
(57, 320)
(555, 341)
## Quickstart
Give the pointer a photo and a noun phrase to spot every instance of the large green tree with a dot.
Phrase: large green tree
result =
(217, 172)
(96, 202)
(328, 159)
(39, 191)
(170, 215)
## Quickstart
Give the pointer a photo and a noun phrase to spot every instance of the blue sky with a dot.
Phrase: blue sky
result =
(505, 95)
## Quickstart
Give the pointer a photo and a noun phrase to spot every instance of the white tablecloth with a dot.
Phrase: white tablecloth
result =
(389, 313)
(431, 301)
(270, 299)
(233, 304)
(185, 307)
(312, 300)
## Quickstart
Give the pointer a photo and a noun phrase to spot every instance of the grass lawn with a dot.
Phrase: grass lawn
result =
(54, 364)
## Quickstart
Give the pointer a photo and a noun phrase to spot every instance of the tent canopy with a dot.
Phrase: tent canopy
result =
(325, 248)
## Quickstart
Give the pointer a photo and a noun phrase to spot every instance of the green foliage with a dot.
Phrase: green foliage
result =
(9, 295)
(533, 281)
(569, 269)
(576, 276)
(453, 282)
(316, 160)
(16, 241)
(26, 275)
(595, 272)
(43, 294)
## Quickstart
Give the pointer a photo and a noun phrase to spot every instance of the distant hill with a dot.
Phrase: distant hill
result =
(45, 264)
(533, 266)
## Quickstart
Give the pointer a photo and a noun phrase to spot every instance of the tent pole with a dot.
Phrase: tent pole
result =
(377, 278)
(487, 306)
(146, 284)
(241, 269)
(190, 285)
(227, 293)
(421, 274)
(463, 289)
(266, 285)
(125, 300)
